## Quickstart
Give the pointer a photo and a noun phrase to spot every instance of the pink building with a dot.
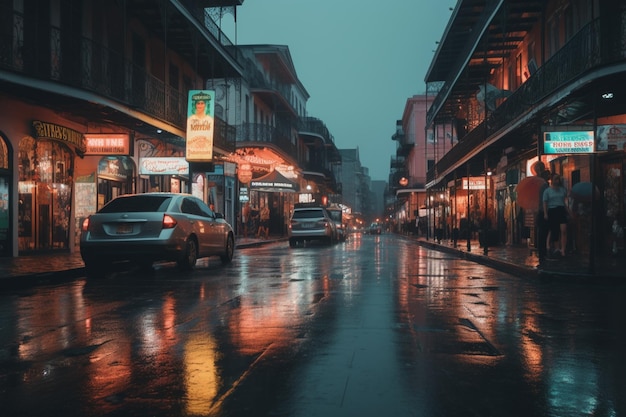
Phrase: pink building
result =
(417, 152)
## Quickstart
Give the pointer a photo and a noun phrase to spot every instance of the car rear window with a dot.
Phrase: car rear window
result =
(140, 203)
(308, 214)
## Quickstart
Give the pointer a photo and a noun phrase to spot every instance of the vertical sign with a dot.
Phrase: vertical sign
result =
(200, 126)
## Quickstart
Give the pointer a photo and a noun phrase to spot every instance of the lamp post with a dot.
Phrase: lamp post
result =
(442, 216)
(486, 218)
(432, 211)
(469, 227)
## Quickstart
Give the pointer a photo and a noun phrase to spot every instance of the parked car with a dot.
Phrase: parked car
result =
(375, 228)
(337, 215)
(145, 228)
(309, 223)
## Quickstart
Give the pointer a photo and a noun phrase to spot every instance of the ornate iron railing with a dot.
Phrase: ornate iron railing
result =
(90, 66)
(256, 132)
(581, 54)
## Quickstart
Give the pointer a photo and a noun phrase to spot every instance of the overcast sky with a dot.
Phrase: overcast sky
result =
(359, 60)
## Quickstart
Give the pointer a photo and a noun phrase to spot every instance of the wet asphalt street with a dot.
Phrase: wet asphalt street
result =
(376, 326)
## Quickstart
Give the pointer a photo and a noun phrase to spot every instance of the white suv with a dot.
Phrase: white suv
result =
(311, 223)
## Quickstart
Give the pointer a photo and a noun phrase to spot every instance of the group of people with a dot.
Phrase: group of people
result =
(553, 215)
(255, 221)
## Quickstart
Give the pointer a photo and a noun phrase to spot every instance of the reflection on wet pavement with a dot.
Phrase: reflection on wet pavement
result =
(374, 326)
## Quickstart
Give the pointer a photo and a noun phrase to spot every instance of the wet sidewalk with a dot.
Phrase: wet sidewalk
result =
(53, 267)
(28, 270)
(522, 260)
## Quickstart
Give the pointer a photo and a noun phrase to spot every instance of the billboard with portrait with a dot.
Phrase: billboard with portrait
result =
(200, 126)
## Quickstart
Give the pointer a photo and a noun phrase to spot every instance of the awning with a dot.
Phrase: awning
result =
(409, 190)
(274, 182)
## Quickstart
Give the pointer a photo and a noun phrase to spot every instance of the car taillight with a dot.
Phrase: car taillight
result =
(85, 225)
(168, 221)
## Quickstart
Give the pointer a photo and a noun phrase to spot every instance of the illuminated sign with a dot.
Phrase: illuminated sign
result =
(106, 144)
(200, 126)
(611, 138)
(475, 183)
(568, 142)
(163, 166)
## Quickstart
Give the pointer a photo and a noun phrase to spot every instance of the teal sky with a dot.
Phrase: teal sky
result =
(359, 60)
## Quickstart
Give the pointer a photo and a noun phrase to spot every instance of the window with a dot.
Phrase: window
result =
(518, 70)
(136, 204)
(189, 206)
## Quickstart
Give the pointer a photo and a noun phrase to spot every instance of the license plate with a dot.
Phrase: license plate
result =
(308, 225)
(123, 229)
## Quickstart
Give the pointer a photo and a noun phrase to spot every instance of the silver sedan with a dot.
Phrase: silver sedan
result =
(145, 228)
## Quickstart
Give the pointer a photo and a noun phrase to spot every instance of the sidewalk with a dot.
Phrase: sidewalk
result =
(523, 261)
(48, 268)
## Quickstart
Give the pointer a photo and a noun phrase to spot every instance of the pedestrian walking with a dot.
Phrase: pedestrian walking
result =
(264, 225)
(556, 210)
(541, 221)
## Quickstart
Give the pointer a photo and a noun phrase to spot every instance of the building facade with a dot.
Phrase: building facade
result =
(532, 82)
(416, 210)
(88, 113)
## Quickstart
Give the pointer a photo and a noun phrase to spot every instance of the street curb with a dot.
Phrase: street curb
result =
(514, 269)
(20, 282)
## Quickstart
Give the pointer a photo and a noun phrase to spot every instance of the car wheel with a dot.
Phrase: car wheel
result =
(190, 255)
(229, 250)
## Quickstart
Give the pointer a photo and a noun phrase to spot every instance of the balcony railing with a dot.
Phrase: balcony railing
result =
(314, 125)
(260, 134)
(87, 65)
(581, 54)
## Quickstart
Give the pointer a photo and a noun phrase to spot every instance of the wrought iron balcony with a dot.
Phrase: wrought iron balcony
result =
(398, 163)
(580, 55)
(89, 66)
(256, 134)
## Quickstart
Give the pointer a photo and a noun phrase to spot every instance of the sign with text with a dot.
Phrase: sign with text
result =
(474, 183)
(163, 166)
(106, 144)
(45, 130)
(200, 126)
(611, 138)
(568, 142)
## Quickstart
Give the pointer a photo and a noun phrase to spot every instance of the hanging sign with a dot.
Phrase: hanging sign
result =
(568, 142)
(200, 126)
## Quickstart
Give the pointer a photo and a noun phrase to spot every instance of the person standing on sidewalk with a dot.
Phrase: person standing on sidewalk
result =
(264, 227)
(556, 210)
(540, 221)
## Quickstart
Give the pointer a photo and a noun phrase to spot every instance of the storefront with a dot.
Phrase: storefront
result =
(276, 192)
(5, 206)
(471, 205)
(265, 179)
(46, 166)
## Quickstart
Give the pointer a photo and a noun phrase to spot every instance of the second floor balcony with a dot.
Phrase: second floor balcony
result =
(257, 134)
(584, 60)
(91, 80)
